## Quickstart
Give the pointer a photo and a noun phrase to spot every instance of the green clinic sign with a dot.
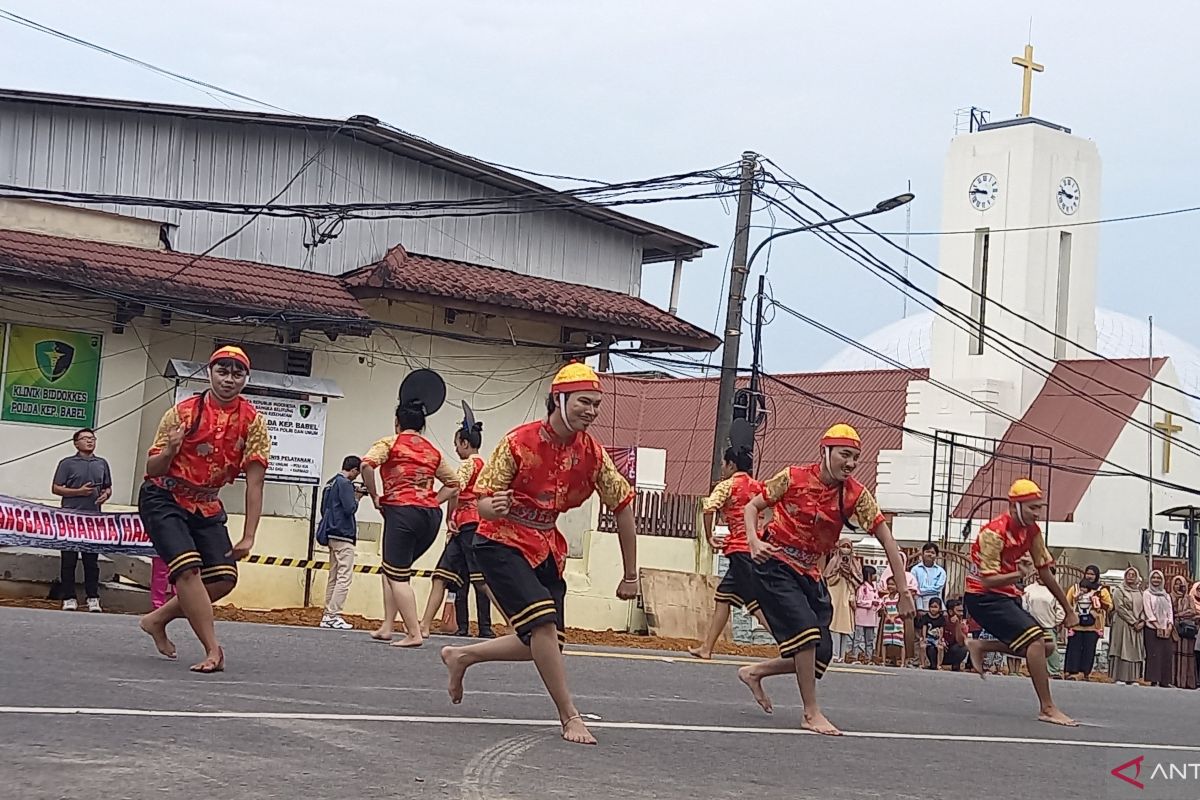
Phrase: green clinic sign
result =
(51, 377)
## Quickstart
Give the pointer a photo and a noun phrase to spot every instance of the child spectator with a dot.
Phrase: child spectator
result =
(866, 617)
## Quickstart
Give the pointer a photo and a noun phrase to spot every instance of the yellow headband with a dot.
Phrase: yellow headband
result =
(575, 377)
(841, 435)
(1023, 491)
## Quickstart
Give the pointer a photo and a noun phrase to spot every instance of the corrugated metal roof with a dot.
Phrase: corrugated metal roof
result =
(448, 281)
(679, 415)
(658, 243)
(1064, 408)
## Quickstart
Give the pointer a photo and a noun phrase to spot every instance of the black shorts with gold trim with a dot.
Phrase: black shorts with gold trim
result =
(528, 596)
(1002, 616)
(739, 587)
(798, 609)
(457, 564)
(408, 532)
(184, 539)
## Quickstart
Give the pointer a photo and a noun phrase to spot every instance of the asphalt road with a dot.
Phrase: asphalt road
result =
(88, 710)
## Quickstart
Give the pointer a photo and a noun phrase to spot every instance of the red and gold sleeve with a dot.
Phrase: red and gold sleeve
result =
(446, 475)
(1039, 552)
(258, 442)
(615, 492)
(718, 497)
(169, 422)
(991, 546)
(775, 487)
(867, 513)
(464, 472)
(499, 471)
(379, 451)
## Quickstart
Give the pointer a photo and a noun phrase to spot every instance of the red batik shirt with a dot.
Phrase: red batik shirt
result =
(407, 465)
(808, 521)
(730, 497)
(467, 509)
(227, 439)
(998, 547)
(547, 477)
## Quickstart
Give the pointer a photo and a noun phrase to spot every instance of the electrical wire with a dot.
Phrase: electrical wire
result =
(965, 323)
(977, 293)
(660, 361)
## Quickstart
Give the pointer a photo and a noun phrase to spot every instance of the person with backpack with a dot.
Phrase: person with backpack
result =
(338, 531)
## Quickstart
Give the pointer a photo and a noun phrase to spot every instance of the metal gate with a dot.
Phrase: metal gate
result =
(971, 477)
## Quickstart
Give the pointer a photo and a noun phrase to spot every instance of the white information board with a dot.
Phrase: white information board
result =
(297, 430)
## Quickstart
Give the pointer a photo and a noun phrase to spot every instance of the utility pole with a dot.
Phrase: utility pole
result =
(733, 311)
(756, 343)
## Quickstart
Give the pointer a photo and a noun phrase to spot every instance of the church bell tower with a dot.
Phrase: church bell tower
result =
(1016, 196)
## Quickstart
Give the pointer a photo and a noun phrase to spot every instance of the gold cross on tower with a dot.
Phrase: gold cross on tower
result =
(1028, 66)
(1167, 428)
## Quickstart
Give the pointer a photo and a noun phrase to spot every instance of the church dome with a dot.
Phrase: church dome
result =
(1117, 336)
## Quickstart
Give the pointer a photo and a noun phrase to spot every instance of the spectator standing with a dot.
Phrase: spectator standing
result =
(1160, 625)
(842, 576)
(893, 625)
(1126, 647)
(931, 577)
(84, 482)
(910, 635)
(1039, 601)
(338, 531)
(1186, 614)
(1092, 602)
(866, 616)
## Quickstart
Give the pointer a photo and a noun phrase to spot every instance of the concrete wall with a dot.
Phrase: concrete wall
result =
(35, 450)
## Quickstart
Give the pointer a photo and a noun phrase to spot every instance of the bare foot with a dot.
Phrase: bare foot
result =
(1053, 716)
(700, 652)
(754, 683)
(574, 731)
(817, 723)
(974, 648)
(213, 662)
(382, 634)
(456, 665)
(409, 641)
(424, 632)
(158, 632)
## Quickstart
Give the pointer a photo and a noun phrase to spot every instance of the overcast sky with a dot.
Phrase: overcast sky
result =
(853, 100)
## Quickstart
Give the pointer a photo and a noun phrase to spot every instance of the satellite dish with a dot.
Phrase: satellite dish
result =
(741, 435)
(468, 423)
(423, 387)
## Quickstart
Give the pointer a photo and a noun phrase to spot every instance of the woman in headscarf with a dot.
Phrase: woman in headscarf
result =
(842, 575)
(1196, 605)
(1126, 649)
(1160, 623)
(1186, 615)
(1092, 602)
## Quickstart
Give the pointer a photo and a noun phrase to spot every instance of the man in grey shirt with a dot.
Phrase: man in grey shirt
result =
(84, 483)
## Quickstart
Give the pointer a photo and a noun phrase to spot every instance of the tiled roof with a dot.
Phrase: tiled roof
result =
(1065, 408)
(473, 286)
(163, 275)
(679, 415)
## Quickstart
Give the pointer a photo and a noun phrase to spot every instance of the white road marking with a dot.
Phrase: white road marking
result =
(539, 723)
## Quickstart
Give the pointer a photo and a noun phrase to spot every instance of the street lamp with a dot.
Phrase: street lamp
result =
(891, 204)
(729, 359)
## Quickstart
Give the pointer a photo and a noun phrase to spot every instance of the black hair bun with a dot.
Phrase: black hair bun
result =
(477, 427)
(414, 405)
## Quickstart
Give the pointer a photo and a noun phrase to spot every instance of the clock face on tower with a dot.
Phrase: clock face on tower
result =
(984, 190)
(1068, 195)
